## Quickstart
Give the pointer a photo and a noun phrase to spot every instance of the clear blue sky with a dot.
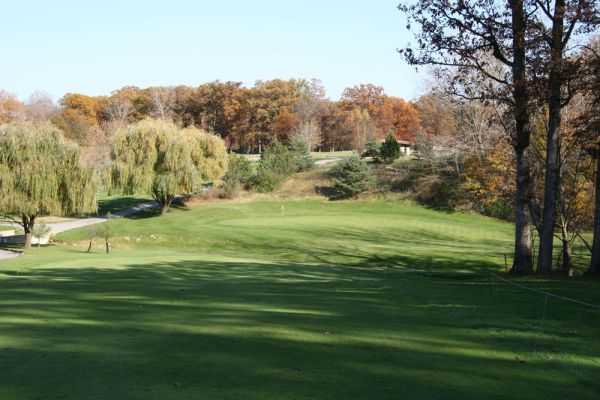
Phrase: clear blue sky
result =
(94, 47)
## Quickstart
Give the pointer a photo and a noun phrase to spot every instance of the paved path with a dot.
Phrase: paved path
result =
(7, 255)
(81, 222)
(59, 227)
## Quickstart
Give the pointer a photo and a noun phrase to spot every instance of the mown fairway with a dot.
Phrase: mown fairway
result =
(292, 300)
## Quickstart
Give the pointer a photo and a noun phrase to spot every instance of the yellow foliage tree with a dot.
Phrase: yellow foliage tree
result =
(157, 157)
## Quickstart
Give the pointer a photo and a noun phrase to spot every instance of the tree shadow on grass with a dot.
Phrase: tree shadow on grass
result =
(14, 247)
(381, 328)
(116, 204)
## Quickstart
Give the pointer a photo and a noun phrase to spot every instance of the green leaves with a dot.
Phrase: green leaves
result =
(351, 177)
(155, 156)
(390, 149)
(40, 173)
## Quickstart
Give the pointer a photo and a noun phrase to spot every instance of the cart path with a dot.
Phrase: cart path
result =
(59, 227)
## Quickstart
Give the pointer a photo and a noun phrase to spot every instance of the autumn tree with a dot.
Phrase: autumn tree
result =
(217, 107)
(183, 112)
(39, 107)
(78, 116)
(139, 102)
(163, 102)
(554, 26)
(589, 130)
(157, 157)
(462, 36)
(365, 96)
(335, 133)
(574, 205)
(389, 114)
(478, 127)
(11, 108)
(436, 114)
(309, 109)
(40, 174)
(117, 110)
(400, 118)
(362, 128)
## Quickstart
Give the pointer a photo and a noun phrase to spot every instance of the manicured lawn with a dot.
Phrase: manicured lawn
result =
(292, 300)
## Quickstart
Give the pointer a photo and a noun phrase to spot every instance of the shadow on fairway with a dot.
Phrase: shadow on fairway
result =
(115, 204)
(381, 328)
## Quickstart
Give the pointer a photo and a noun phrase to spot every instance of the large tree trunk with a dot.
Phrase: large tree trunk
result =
(28, 223)
(522, 263)
(164, 201)
(552, 178)
(595, 263)
(165, 205)
(164, 208)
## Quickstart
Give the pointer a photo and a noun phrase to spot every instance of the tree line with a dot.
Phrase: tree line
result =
(247, 118)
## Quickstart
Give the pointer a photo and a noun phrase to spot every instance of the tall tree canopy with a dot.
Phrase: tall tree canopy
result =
(553, 25)
(40, 174)
(513, 53)
(484, 44)
(247, 118)
(156, 156)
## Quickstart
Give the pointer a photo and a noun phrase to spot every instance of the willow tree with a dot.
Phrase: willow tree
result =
(157, 157)
(41, 174)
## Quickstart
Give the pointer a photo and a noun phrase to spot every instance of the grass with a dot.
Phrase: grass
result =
(316, 155)
(292, 300)
(328, 155)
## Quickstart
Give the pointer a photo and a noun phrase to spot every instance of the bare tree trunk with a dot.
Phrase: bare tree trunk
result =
(595, 262)
(164, 201)
(552, 178)
(28, 223)
(522, 263)
(164, 208)
(566, 264)
(165, 204)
